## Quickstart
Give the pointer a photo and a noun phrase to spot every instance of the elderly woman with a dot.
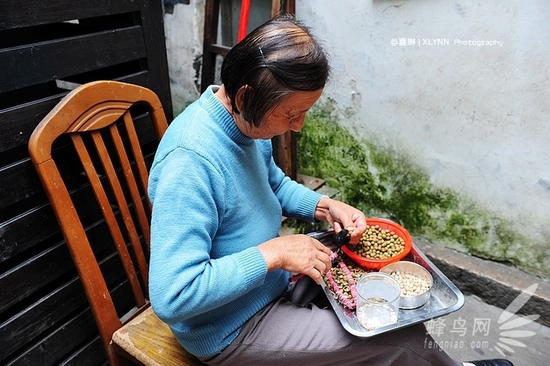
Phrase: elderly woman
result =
(219, 271)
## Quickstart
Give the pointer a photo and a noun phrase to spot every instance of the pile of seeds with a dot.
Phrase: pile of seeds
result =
(411, 285)
(378, 243)
(341, 279)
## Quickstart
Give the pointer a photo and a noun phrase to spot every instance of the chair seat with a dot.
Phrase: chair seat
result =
(149, 340)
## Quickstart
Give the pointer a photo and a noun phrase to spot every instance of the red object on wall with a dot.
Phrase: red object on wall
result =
(243, 20)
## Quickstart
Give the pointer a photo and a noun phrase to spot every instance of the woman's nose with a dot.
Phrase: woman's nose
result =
(297, 124)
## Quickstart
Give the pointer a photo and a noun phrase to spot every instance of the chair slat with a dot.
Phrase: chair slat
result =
(136, 198)
(108, 213)
(139, 162)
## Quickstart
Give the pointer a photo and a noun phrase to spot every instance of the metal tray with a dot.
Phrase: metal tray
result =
(445, 296)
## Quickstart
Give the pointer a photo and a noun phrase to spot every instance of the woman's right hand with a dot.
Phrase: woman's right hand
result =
(297, 253)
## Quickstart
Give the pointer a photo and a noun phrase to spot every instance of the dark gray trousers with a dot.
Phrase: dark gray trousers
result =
(300, 328)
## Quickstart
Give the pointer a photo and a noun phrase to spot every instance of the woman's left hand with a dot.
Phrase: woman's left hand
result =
(341, 216)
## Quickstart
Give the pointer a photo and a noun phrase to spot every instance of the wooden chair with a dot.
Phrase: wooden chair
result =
(99, 119)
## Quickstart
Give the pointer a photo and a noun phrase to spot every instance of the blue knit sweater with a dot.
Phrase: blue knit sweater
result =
(216, 195)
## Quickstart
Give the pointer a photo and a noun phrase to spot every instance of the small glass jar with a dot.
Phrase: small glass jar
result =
(377, 300)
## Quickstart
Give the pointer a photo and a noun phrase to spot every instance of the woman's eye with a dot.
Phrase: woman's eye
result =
(293, 115)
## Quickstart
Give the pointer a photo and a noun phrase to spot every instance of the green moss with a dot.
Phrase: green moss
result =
(383, 182)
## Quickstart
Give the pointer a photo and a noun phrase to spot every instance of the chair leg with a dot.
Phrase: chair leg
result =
(118, 357)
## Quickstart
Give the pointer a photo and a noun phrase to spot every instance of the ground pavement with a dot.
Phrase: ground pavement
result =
(473, 333)
(506, 313)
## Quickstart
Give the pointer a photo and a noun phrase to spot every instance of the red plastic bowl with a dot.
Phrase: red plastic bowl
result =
(376, 264)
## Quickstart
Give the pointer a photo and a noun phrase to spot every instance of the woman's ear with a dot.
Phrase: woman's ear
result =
(239, 97)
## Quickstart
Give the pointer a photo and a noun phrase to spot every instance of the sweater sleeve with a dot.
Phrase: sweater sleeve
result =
(188, 205)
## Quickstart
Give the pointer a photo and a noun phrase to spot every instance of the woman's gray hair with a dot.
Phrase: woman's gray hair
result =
(277, 58)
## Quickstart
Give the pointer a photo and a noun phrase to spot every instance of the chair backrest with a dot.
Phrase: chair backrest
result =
(101, 121)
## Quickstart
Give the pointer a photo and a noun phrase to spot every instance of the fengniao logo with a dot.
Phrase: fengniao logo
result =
(510, 323)
(483, 332)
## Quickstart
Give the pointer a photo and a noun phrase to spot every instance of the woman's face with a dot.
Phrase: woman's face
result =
(287, 116)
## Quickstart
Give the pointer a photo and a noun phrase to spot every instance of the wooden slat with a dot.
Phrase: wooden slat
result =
(219, 49)
(152, 13)
(284, 146)
(18, 181)
(137, 197)
(284, 151)
(52, 309)
(142, 171)
(25, 231)
(90, 354)
(37, 318)
(18, 122)
(34, 226)
(67, 336)
(211, 15)
(32, 275)
(310, 182)
(283, 6)
(14, 14)
(47, 61)
(37, 272)
(106, 207)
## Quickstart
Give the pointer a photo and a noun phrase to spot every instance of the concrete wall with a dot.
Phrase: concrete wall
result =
(476, 115)
(184, 31)
(417, 78)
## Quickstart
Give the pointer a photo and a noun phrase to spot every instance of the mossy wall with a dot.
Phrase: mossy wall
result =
(385, 182)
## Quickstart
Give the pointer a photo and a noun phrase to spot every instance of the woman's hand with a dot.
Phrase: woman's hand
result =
(297, 253)
(341, 216)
